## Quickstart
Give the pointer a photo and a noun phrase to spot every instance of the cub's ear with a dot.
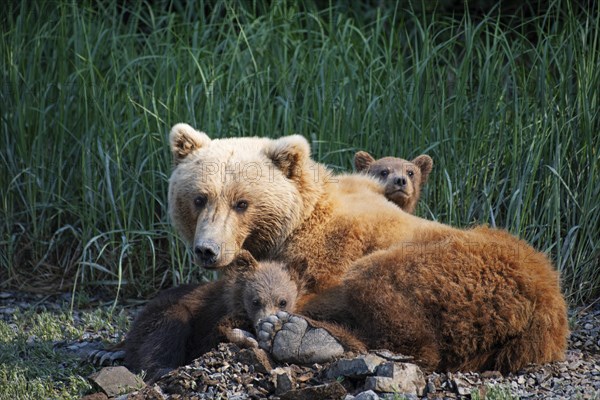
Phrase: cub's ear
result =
(298, 271)
(362, 161)
(184, 140)
(243, 262)
(425, 164)
(289, 154)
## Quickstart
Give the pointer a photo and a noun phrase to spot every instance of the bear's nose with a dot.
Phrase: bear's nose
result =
(207, 251)
(400, 181)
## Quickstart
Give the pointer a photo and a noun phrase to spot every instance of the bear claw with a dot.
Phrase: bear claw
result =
(103, 358)
(291, 338)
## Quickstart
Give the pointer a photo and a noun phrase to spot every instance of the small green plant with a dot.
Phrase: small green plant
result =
(489, 392)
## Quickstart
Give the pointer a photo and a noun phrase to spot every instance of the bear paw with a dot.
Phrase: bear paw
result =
(293, 339)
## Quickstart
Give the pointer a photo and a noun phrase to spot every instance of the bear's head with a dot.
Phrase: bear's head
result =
(261, 288)
(234, 193)
(402, 179)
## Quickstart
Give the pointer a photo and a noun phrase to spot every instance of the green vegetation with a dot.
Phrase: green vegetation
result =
(507, 108)
(31, 367)
(493, 393)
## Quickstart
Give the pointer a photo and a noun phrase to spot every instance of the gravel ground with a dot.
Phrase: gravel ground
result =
(221, 373)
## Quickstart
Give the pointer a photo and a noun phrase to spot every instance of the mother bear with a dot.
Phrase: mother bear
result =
(376, 277)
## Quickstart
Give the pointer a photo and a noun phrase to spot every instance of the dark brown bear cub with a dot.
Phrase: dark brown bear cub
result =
(182, 323)
(402, 178)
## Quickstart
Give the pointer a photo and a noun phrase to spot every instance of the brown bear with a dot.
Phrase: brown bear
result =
(179, 321)
(402, 179)
(269, 197)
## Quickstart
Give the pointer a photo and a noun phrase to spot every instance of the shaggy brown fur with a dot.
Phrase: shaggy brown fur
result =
(184, 322)
(269, 197)
(472, 300)
(402, 179)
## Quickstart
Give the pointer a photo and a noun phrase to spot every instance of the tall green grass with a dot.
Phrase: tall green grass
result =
(507, 108)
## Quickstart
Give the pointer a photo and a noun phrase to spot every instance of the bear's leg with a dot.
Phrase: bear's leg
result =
(296, 339)
(374, 302)
(174, 328)
(544, 340)
(159, 350)
(394, 322)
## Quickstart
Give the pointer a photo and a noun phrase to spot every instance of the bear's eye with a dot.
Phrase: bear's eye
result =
(256, 303)
(282, 304)
(241, 206)
(384, 173)
(200, 201)
(410, 173)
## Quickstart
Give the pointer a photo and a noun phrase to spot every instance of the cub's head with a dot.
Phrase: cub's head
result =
(402, 179)
(261, 288)
(229, 194)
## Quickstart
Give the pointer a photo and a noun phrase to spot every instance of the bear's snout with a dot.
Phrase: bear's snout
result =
(400, 181)
(207, 252)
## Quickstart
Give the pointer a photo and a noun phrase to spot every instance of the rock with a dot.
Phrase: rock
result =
(386, 385)
(333, 390)
(354, 368)
(257, 358)
(367, 395)
(115, 381)
(430, 387)
(397, 377)
(284, 380)
(462, 386)
(149, 393)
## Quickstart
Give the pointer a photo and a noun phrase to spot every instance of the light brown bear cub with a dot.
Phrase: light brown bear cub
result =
(403, 179)
(182, 323)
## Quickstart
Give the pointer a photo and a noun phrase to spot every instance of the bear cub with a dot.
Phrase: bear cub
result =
(256, 290)
(184, 322)
(402, 179)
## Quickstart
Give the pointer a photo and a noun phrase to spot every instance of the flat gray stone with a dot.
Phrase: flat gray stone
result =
(114, 381)
(367, 395)
(397, 378)
(358, 367)
(284, 380)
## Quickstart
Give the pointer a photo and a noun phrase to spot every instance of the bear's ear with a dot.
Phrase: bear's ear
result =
(184, 140)
(243, 262)
(297, 270)
(362, 161)
(425, 164)
(289, 154)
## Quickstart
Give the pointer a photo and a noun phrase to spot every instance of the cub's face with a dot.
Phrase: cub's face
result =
(229, 194)
(402, 178)
(268, 290)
